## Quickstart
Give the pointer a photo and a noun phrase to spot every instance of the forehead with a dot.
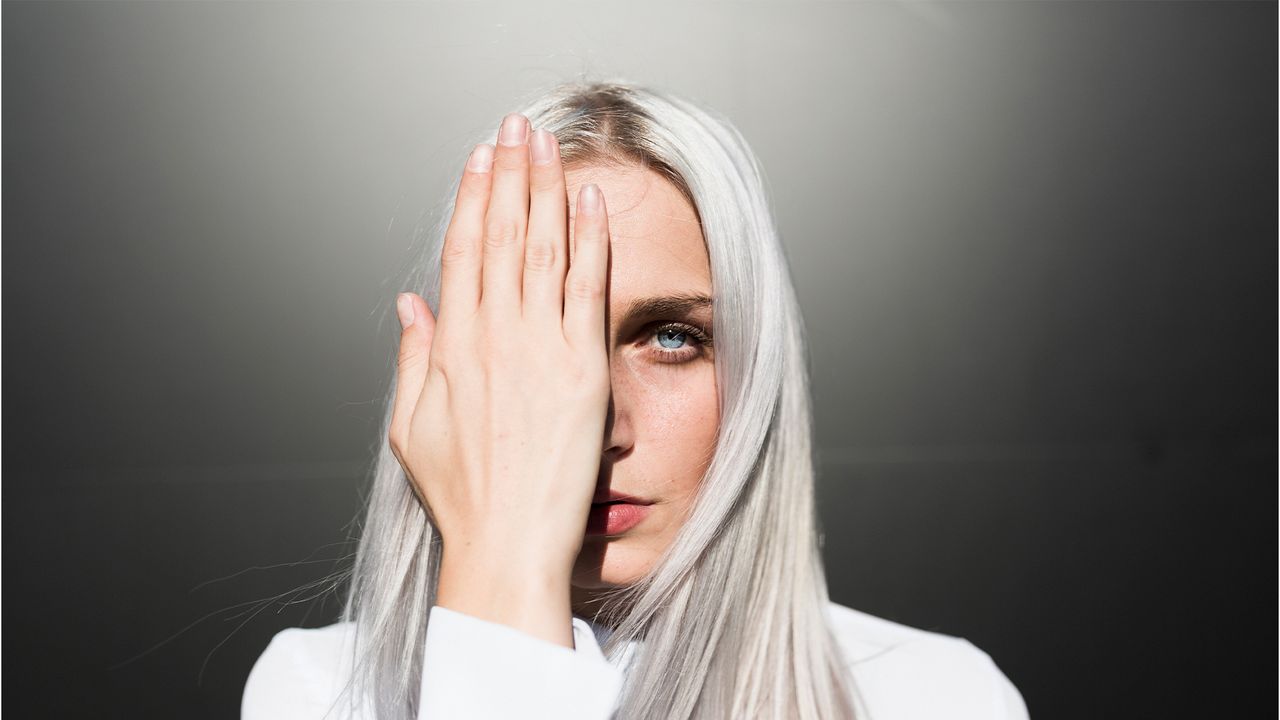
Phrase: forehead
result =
(656, 243)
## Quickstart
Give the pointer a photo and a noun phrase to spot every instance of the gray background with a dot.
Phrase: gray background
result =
(1034, 243)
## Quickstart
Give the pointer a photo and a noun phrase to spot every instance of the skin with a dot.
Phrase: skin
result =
(625, 402)
(665, 411)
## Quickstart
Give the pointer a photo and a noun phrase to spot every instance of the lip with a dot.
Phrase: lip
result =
(614, 518)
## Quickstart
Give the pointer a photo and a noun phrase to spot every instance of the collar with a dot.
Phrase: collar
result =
(590, 637)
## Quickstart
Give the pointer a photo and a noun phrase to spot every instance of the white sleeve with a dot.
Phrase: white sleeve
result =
(1015, 708)
(297, 676)
(474, 669)
(264, 695)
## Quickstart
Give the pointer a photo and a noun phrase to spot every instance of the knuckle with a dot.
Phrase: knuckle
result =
(539, 257)
(396, 440)
(584, 376)
(544, 179)
(582, 288)
(413, 348)
(578, 375)
(474, 187)
(499, 232)
(455, 253)
(409, 356)
(510, 159)
(497, 354)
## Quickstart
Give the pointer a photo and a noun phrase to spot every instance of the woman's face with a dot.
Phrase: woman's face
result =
(664, 414)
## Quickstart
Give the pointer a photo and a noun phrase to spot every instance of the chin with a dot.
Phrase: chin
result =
(603, 565)
(595, 584)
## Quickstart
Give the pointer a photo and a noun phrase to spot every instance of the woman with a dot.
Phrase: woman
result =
(593, 503)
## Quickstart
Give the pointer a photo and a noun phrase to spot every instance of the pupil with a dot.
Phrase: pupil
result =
(667, 334)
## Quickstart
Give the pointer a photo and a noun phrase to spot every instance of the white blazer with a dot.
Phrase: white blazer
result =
(479, 670)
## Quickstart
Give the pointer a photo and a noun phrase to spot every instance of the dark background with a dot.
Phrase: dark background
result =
(1035, 244)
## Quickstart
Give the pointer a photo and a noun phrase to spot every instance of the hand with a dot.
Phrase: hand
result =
(500, 402)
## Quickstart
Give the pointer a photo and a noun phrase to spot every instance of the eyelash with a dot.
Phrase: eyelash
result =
(699, 335)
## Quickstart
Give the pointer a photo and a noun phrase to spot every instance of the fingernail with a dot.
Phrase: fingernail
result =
(589, 201)
(481, 159)
(515, 130)
(404, 308)
(542, 145)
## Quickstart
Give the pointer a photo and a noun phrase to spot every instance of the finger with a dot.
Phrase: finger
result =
(507, 218)
(585, 285)
(462, 255)
(546, 252)
(416, 335)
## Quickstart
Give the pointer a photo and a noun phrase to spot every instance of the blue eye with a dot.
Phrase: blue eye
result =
(680, 342)
(671, 334)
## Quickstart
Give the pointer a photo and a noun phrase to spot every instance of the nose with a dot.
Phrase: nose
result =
(617, 430)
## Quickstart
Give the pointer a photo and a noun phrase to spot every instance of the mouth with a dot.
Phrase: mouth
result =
(615, 516)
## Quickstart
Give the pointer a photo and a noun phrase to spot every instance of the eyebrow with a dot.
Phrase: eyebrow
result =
(666, 305)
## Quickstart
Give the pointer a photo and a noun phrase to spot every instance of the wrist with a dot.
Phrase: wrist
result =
(533, 597)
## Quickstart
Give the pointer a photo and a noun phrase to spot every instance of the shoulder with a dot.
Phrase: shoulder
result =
(300, 674)
(902, 673)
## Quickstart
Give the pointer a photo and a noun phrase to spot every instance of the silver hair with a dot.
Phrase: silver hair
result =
(732, 617)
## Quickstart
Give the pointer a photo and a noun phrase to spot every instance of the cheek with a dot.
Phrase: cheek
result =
(676, 415)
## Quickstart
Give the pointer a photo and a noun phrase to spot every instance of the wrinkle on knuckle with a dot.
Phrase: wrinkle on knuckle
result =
(455, 254)
(511, 160)
(540, 257)
(499, 232)
(408, 358)
(581, 288)
(544, 181)
(475, 188)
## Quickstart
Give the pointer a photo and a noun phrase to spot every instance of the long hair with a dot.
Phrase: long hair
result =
(732, 618)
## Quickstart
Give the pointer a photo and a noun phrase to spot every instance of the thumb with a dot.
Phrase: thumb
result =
(418, 327)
